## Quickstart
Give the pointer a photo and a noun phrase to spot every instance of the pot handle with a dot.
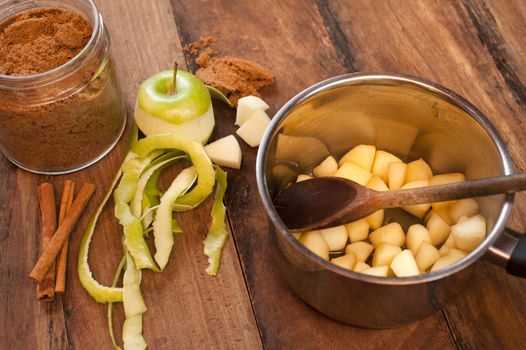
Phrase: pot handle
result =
(509, 252)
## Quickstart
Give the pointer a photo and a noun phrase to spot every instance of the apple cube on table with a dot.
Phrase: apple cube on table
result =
(361, 155)
(326, 168)
(225, 152)
(253, 129)
(246, 106)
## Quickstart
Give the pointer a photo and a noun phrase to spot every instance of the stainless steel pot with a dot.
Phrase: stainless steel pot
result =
(412, 118)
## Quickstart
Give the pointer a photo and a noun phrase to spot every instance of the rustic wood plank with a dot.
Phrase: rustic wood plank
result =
(461, 47)
(289, 38)
(187, 308)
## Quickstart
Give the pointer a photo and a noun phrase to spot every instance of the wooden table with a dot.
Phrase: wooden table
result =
(475, 47)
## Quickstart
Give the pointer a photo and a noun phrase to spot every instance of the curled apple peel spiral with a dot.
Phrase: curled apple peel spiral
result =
(177, 124)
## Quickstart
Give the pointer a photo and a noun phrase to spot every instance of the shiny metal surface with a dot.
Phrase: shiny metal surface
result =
(410, 117)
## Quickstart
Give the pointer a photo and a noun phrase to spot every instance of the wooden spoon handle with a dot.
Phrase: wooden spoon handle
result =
(466, 189)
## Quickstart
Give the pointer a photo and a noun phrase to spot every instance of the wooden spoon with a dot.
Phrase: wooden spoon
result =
(330, 201)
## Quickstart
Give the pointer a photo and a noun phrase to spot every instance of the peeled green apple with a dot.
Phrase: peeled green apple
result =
(187, 113)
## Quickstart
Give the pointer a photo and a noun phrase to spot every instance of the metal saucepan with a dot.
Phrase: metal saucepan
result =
(411, 118)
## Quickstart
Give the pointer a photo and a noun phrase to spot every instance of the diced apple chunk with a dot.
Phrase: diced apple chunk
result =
(448, 178)
(346, 261)
(326, 168)
(354, 172)
(396, 175)
(444, 250)
(361, 266)
(442, 212)
(377, 184)
(246, 106)
(438, 229)
(469, 234)
(416, 235)
(418, 170)
(303, 177)
(464, 207)
(418, 210)
(253, 129)
(391, 233)
(404, 264)
(358, 230)
(443, 179)
(314, 242)
(427, 256)
(361, 250)
(446, 261)
(362, 155)
(376, 219)
(384, 254)
(225, 152)
(336, 237)
(381, 164)
(380, 271)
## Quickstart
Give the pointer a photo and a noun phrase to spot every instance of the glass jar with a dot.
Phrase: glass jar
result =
(69, 117)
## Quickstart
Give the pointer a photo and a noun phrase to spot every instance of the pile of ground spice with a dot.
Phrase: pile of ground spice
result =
(235, 77)
(37, 41)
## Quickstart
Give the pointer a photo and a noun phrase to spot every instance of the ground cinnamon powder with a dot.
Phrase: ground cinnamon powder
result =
(71, 119)
(37, 41)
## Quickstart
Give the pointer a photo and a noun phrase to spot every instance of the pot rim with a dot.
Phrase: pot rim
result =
(435, 88)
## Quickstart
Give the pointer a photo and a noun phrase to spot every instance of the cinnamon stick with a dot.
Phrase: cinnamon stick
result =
(48, 226)
(66, 200)
(45, 261)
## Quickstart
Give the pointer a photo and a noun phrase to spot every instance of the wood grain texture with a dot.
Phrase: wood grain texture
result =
(460, 46)
(269, 35)
(475, 47)
(187, 308)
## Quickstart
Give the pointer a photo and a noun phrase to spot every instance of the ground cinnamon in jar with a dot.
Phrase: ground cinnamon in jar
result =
(38, 41)
(60, 105)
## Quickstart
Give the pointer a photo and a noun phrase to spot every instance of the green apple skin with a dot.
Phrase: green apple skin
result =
(190, 100)
(199, 129)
